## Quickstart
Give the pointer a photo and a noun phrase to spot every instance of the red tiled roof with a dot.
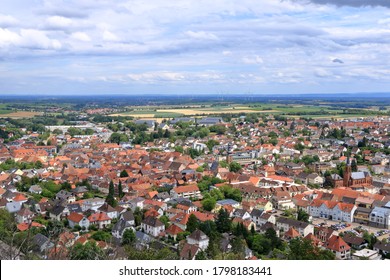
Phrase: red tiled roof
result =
(75, 217)
(336, 243)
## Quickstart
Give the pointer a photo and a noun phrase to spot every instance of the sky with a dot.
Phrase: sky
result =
(194, 46)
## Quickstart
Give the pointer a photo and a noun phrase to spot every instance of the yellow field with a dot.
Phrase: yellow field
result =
(132, 114)
(20, 115)
(208, 111)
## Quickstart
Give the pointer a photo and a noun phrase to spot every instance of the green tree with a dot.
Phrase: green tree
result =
(211, 144)
(201, 256)
(89, 251)
(165, 220)
(208, 204)
(223, 222)
(120, 189)
(303, 216)
(123, 174)
(128, 237)
(303, 249)
(192, 223)
(354, 165)
(138, 216)
(101, 236)
(38, 164)
(234, 167)
(110, 197)
(117, 137)
(231, 193)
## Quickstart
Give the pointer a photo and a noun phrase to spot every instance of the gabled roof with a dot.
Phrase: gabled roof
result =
(153, 222)
(189, 251)
(198, 235)
(256, 213)
(292, 233)
(173, 230)
(336, 243)
(183, 189)
(127, 216)
(99, 217)
(75, 217)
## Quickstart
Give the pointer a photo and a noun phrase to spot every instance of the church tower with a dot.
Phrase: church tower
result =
(229, 153)
(347, 174)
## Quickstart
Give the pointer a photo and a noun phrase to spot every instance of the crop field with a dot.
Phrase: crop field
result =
(292, 110)
(20, 115)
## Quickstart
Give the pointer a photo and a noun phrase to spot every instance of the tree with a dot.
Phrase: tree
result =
(38, 164)
(201, 256)
(124, 174)
(354, 165)
(234, 167)
(101, 236)
(211, 143)
(223, 221)
(138, 216)
(89, 251)
(303, 216)
(118, 138)
(110, 197)
(231, 193)
(303, 249)
(120, 189)
(165, 220)
(219, 129)
(209, 204)
(128, 237)
(199, 169)
(192, 223)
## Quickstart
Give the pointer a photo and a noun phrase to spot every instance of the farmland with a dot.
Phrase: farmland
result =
(19, 114)
(292, 110)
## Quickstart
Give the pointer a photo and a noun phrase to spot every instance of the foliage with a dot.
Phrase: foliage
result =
(208, 181)
(117, 137)
(192, 223)
(128, 237)
(218, 129)
(123, 174)
(138, 216)
(110, 197)
(89, 251)
(303, 249)
(223, 222)
(231, 193)
(303, 216)
(194, 153)
(234, 167)
(208, 204)
(165, 220)
(101, 236)
(211, 144)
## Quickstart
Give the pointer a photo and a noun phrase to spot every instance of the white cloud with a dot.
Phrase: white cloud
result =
(202, 35)
(254, 59)
(59, 22)
(80, 36)
(8, 38)
(109, 36)
(206, 42)
(36, 39)
(8, 20)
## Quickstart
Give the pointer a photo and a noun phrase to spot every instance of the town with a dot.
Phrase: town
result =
(98, 185)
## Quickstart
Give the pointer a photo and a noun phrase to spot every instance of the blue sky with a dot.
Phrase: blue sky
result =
(194, 47)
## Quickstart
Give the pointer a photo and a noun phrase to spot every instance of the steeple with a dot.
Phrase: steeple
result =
(347, 174)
